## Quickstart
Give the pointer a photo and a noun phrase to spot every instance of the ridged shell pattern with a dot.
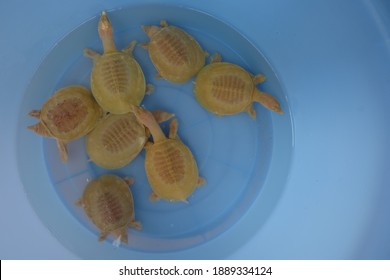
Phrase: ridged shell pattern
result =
(116, 141)
(119, 136)
(173, 48)
(224, 88)
(175, 54)
(171, 169)
(117, 82)
(170, 164)
(108, 202)
(228, 89)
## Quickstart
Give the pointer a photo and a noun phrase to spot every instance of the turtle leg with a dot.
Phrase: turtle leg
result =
(61, 145)
(91, 54)
(35, 114)
(102, 235)
(201, 181)
(267, 100)
(121, 234)
(173, 126)
(135, 224)
(260, 78)
(216, 57)
(149, 89)
(162, 116)
(79, 202)
(154, 197)
(130, 48)
(40, 129)
(251, 111)
(129, 181)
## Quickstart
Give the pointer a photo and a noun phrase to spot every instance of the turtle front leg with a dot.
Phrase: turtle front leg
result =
(130, 48)
(40, 129)
(91, 54)
(201, 182)
(260, 78)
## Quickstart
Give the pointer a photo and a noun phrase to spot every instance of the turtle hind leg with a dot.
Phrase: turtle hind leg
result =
(216, 57)
(201, 182)
(251, 111)
(135, 224)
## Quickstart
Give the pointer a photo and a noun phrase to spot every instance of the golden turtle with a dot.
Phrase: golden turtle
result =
(170, 166)
(118, 139)
(70, 113)
(108, 203)
(226, 89)
(176, 55)
(117, 80)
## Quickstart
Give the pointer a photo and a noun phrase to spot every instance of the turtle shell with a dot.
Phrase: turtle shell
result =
(171, 170)
(108, 202)
(116, 141)
(70, 113)
(176, 55)
(117, 82)
(224, 88)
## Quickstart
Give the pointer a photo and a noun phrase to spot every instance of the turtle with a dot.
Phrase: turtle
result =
(118, 139)
(176, 55)
(70, 113)
(117, 80)
(170, 166)
(225, 88)
(108, 203)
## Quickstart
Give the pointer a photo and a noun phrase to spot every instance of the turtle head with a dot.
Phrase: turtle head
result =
(147, 119)
(106, 33)
(104, 27)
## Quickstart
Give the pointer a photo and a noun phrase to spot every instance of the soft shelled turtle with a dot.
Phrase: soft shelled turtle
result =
(226, 89)
(108, 202)
(117, 80)
(176, 55)
(70, 113)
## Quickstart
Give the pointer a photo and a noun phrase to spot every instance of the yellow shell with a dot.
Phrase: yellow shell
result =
(226, 89)
(70, 113)
(171, 170)
(117, 82)
(116, 141)
(176, 55)
(108, 202)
